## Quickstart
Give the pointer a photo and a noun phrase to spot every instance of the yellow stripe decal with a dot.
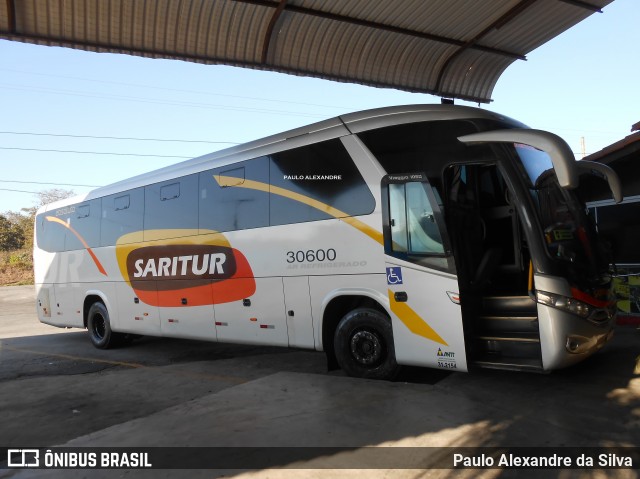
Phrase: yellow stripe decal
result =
(330, 210)
(413, 321)
(408, 316)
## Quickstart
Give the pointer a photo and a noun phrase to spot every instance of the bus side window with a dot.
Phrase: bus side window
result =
(317, 182)
(122, 214)
(226, 204)
(171, 208)
(424, 236)
(170, 191)
(397, 213)
(413, 223)
(85, 221)
(50, 235)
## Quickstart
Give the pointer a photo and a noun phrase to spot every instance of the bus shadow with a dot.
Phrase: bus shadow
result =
(427, 416)
(293, 403)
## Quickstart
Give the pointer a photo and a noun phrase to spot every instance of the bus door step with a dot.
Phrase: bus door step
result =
(509, 364)
(496, 324)
(509, 306)
(524, 345)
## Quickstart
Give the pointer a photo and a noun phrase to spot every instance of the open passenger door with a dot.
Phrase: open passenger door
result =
(421, 280)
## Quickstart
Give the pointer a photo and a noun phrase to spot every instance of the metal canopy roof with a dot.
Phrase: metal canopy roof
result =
(450, 48)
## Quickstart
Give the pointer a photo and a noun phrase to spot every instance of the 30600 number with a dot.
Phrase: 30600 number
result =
(310, 255)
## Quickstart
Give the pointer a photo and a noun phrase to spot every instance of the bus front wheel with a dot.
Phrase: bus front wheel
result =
(99, 327)
(363, 344)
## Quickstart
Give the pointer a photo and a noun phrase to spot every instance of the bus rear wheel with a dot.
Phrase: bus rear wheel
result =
(363, 344)
(99, 327)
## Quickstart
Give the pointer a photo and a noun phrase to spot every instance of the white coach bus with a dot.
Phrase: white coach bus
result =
(438, 236)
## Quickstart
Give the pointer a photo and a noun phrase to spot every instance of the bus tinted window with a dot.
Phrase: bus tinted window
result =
(70, 227)
(308, 179)
(121, 214)
(231, 198)
(171, 208)
(122, 202)
(84, 225)
(50, 232)
(426, 146)
(170, 191)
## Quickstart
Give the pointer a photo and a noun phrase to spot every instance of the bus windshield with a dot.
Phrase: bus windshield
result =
(569, 234)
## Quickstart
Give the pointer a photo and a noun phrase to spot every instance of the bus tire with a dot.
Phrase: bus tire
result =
(363, 344)
(99, 327)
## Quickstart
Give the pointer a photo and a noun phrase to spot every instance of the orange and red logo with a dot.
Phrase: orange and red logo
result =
(187, 269)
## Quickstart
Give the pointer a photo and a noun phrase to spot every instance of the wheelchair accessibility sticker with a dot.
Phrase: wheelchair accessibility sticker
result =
(394, 275)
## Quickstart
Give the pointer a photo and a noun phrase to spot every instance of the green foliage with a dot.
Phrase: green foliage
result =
(16, 239)
(22, 223)
(11, 235)
(16, 267)
(16, 228)
(21, 258)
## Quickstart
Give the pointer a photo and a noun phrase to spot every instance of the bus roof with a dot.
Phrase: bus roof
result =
(327, 129)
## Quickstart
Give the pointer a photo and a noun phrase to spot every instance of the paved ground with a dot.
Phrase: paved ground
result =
(56, 389)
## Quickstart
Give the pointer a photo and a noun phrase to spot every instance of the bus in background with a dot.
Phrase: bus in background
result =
(430, 235)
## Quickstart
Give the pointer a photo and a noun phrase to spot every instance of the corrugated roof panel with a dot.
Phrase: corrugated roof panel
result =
(188, 20)
(177, 20)
(343, 50)
(416, 45)
(26, 17)
(219, 24)
(488, 71)
(202, 31)
(539, 23)
(4, 17)
(417, 67)
(139, 17)
(249, 23)
(474, 73)
(458, 19)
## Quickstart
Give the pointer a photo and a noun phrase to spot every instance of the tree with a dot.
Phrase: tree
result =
(49, 196)
(11, 235)
(44, 198)
(16, 228)
(22, 223)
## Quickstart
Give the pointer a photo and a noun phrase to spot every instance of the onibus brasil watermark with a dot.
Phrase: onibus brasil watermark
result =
(34, 458)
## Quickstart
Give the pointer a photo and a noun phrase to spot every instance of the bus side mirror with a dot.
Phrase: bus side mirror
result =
(609, 174)
(557, 149)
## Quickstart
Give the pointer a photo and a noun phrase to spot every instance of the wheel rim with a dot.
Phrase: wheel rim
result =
(367, 348)
(99, 326)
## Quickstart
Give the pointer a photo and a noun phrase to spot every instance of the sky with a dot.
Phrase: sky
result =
(582, 84)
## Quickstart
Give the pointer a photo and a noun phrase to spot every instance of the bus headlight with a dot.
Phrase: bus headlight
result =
(570, 305)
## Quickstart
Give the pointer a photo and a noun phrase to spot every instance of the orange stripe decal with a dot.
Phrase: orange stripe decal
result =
(84, 243)
(328, 209)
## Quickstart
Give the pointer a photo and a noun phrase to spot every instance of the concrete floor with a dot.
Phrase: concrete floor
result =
(56, 389)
